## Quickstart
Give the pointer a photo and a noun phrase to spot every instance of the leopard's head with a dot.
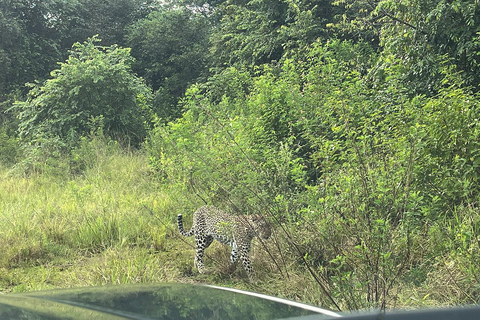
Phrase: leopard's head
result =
(261, 225)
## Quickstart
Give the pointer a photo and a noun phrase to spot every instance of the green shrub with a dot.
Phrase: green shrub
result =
(93, 83)
(356, 175)
(9, 149)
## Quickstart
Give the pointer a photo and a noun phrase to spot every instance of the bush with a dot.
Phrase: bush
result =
(9, 149)
(356, 175)
(94, 83)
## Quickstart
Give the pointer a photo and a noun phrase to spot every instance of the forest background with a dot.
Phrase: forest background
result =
(352, 125)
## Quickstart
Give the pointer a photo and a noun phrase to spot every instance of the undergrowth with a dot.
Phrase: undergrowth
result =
(113, 222)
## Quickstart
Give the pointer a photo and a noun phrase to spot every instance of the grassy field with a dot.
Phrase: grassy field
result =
(90, 229)
(113, 224)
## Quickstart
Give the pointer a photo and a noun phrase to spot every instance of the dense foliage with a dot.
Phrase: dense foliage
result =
(370, 171)
(352, 125)
(35, 34)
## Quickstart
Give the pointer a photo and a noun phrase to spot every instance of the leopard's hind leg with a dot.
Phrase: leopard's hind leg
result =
(201, 243)
(234, 253)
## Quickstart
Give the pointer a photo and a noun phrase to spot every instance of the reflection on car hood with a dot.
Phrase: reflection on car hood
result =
(187, 301)
(159, 301)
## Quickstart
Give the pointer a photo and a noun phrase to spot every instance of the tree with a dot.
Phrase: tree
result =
(260, 31)
(94, 85)
(35, 34)
(170, 47)
(420, 34)
(109, 18)
(29, 47)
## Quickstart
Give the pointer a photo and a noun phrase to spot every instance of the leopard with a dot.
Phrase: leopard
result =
(236, 231)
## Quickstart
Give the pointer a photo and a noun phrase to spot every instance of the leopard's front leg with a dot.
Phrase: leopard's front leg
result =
(247, 264)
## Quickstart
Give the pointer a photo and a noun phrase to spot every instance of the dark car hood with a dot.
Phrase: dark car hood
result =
(159, 301)
(187, 301)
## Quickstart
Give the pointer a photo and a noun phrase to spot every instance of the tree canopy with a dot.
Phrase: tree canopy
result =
(171, 47)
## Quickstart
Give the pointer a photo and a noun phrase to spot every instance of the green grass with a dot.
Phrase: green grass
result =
(114, 223)
(81, 230)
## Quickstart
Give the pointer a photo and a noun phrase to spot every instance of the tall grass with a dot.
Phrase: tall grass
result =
(71, 221)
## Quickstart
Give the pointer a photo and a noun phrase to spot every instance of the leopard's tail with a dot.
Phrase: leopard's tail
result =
(180, 227)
